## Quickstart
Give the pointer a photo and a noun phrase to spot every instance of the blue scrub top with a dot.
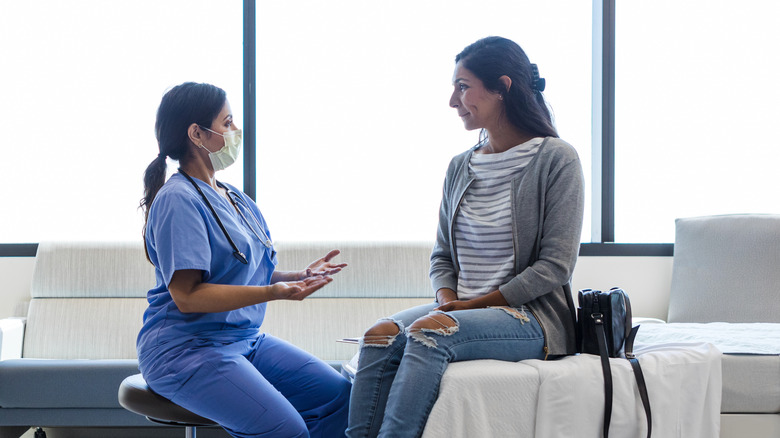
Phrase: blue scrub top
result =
(182, 233)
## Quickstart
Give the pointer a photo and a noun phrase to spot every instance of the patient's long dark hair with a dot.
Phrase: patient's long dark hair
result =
(180, 107)
(493, 57)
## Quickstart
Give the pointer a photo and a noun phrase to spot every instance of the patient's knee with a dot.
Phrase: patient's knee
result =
(433, 323)
(382, 334)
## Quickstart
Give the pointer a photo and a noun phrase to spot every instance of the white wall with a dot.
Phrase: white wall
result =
(646, 279)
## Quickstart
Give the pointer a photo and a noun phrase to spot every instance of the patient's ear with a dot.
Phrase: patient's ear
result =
(507, 82)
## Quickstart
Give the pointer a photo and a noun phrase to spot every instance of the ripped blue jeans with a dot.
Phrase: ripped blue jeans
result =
(398, 375)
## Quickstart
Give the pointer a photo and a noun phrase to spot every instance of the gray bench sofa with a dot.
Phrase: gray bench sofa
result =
(61, 368)
(79, 339)
(726, 269)
(87, 300)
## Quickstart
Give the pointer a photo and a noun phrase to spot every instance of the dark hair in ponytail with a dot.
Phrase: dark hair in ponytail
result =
(493, 57)
(180, 107)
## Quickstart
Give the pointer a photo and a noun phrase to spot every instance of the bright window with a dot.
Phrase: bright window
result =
(697, 95)
(81, 83)
(354, 129)
(353, 132)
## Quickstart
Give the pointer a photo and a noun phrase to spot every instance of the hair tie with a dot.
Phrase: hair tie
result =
(538, 83)
(161, 155)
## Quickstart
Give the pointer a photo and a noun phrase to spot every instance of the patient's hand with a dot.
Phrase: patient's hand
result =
(456, 305)
(323, 266)
(445, 295)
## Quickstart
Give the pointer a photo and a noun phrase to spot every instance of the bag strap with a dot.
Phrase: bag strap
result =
(607, 371)
(640, 377)
(628, 348)
(601, 337)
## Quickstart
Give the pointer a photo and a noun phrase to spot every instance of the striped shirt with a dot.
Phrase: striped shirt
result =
(483, 224)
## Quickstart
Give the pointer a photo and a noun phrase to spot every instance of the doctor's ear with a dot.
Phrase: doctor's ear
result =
(195, 134)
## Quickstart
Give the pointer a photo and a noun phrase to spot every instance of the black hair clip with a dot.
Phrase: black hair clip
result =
(539, 83)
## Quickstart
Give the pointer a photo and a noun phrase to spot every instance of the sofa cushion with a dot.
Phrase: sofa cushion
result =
(83, 328)
(377, 269)
(751, 383)
(91, 270)
(302, 324)
(725, 269)
(42, 383)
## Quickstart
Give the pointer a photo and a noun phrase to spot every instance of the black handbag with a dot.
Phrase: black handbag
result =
(604, 328)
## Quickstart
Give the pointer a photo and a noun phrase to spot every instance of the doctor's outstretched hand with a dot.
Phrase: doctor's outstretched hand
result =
(298, 290)
(323, 266)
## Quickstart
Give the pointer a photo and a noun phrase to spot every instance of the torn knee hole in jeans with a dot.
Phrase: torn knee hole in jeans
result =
(431, 324)
(378, 340)
(518, 313)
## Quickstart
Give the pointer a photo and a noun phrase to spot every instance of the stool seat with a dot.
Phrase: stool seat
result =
(136, 396)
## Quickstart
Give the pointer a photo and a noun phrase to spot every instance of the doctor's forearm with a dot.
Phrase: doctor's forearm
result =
(193, 296)
(213, 298)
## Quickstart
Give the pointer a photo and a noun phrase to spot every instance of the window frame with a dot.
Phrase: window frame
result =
(603, 138)
(603, 146)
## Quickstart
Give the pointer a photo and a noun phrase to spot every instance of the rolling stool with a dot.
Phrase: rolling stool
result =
(136, 396)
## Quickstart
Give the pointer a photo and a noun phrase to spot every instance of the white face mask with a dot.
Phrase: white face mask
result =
(229, 153)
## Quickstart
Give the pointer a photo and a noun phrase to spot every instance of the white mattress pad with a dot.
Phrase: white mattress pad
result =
(729, 338)
(565, 397)
(751, 360)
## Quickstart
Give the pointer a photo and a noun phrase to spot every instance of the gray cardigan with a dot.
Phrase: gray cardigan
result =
(547, 207)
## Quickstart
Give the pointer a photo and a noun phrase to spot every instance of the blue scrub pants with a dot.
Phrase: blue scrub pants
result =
(262, 387)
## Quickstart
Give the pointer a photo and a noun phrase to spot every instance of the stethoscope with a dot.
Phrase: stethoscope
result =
(233, 196)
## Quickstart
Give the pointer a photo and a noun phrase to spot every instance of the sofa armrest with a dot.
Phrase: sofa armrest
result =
(646, 320)
(11, 338)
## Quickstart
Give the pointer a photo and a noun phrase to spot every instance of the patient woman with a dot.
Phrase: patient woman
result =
(201, 345)
(508, 237)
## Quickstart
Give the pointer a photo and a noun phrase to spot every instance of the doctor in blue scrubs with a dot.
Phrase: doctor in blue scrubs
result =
(201, 345)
